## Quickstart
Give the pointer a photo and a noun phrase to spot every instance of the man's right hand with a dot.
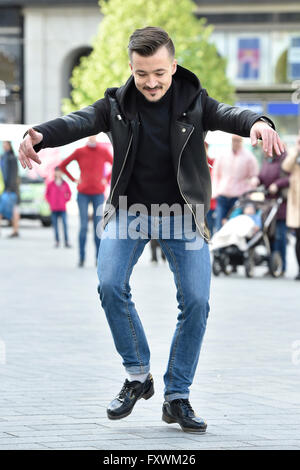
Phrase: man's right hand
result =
(26, 150)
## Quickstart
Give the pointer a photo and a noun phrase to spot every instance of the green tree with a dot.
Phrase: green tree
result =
(107, 65)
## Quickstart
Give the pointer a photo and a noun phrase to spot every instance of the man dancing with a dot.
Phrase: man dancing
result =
(157, 122)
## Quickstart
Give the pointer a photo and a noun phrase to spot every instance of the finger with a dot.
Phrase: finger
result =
(280, 143)
(253, 138)
(265, 140)
(29, 152)
(270, 142)
(276, 147)
(25, 161)
(21, 158)
(33, 134)
(270, 134)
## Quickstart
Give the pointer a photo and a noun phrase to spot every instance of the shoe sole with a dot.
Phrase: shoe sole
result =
(146, 396)
(169, 420)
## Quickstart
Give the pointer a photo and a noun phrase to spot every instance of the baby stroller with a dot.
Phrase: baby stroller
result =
(256, 249)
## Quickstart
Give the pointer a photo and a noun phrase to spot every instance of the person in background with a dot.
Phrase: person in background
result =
(231, 177)
(90, 185)
(154, 246)
(58, 193)
(291, 164)
(275, 180)
(210, 217)
(10, 196)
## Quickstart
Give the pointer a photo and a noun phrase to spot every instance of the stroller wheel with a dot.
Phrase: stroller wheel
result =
(275, 264)
(249, 265)
(225, 265)
(216, 267)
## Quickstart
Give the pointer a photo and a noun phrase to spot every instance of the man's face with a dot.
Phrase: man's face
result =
(57, 174)
(92, 141)
(153, 74)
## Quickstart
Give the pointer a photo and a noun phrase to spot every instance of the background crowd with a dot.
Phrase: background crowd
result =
(234, 173)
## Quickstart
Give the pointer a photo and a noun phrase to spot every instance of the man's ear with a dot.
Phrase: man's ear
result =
(131, 67)
(174, 66)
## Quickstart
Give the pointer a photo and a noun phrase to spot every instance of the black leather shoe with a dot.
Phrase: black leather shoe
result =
(180, 411)
(130, 393)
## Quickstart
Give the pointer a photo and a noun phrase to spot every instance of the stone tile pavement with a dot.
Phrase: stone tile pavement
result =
(59, 368)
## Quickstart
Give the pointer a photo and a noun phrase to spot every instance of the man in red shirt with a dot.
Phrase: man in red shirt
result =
(90, 186)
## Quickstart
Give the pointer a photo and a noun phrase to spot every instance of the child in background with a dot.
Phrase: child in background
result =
(58, 193)
(241, 225)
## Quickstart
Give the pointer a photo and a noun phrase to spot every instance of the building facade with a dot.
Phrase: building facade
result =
(11, 64)
(47, 43)
(40, 45)
(261, 42)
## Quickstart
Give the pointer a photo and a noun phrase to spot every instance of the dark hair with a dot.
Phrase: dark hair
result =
(147, 41)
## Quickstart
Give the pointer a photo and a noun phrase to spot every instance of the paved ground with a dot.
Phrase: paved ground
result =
(59, 369)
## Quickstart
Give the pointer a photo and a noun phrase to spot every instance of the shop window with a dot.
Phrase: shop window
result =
(294, 59)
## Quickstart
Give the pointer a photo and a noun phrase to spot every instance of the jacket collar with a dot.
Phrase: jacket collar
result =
(186, 87)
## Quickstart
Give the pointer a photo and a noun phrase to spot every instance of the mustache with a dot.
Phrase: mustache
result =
(152, 89)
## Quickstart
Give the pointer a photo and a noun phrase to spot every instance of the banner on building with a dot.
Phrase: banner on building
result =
(248, 58)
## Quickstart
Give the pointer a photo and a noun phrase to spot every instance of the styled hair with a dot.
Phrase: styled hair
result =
(147, 41)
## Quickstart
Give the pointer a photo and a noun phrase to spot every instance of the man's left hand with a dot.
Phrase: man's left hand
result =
(270, 139)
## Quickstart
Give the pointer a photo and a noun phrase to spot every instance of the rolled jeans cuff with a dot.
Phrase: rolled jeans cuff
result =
(135, 370)
(176, 396)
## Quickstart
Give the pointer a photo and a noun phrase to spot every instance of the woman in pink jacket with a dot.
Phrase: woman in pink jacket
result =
(57, 194)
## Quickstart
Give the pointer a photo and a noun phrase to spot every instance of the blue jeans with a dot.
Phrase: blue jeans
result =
(119, 252)
(224, 204)
(279, 242)
(83, 201)
(210, 218)
(8, 200)
(55, 215)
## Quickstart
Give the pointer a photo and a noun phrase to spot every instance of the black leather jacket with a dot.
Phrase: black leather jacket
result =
(193, 114)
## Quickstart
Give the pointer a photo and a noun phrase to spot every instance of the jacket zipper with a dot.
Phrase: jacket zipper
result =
(127, 152)
(191, 209)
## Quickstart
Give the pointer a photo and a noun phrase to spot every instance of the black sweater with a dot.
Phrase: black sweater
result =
(153, 179)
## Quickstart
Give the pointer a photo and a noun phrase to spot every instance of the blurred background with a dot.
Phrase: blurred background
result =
(40, 45)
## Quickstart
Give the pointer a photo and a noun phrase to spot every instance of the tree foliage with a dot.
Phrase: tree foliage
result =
(107, 65)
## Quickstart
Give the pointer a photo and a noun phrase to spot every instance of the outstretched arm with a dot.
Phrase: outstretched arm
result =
(65, 162)
(236, 120)
(63, 130)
